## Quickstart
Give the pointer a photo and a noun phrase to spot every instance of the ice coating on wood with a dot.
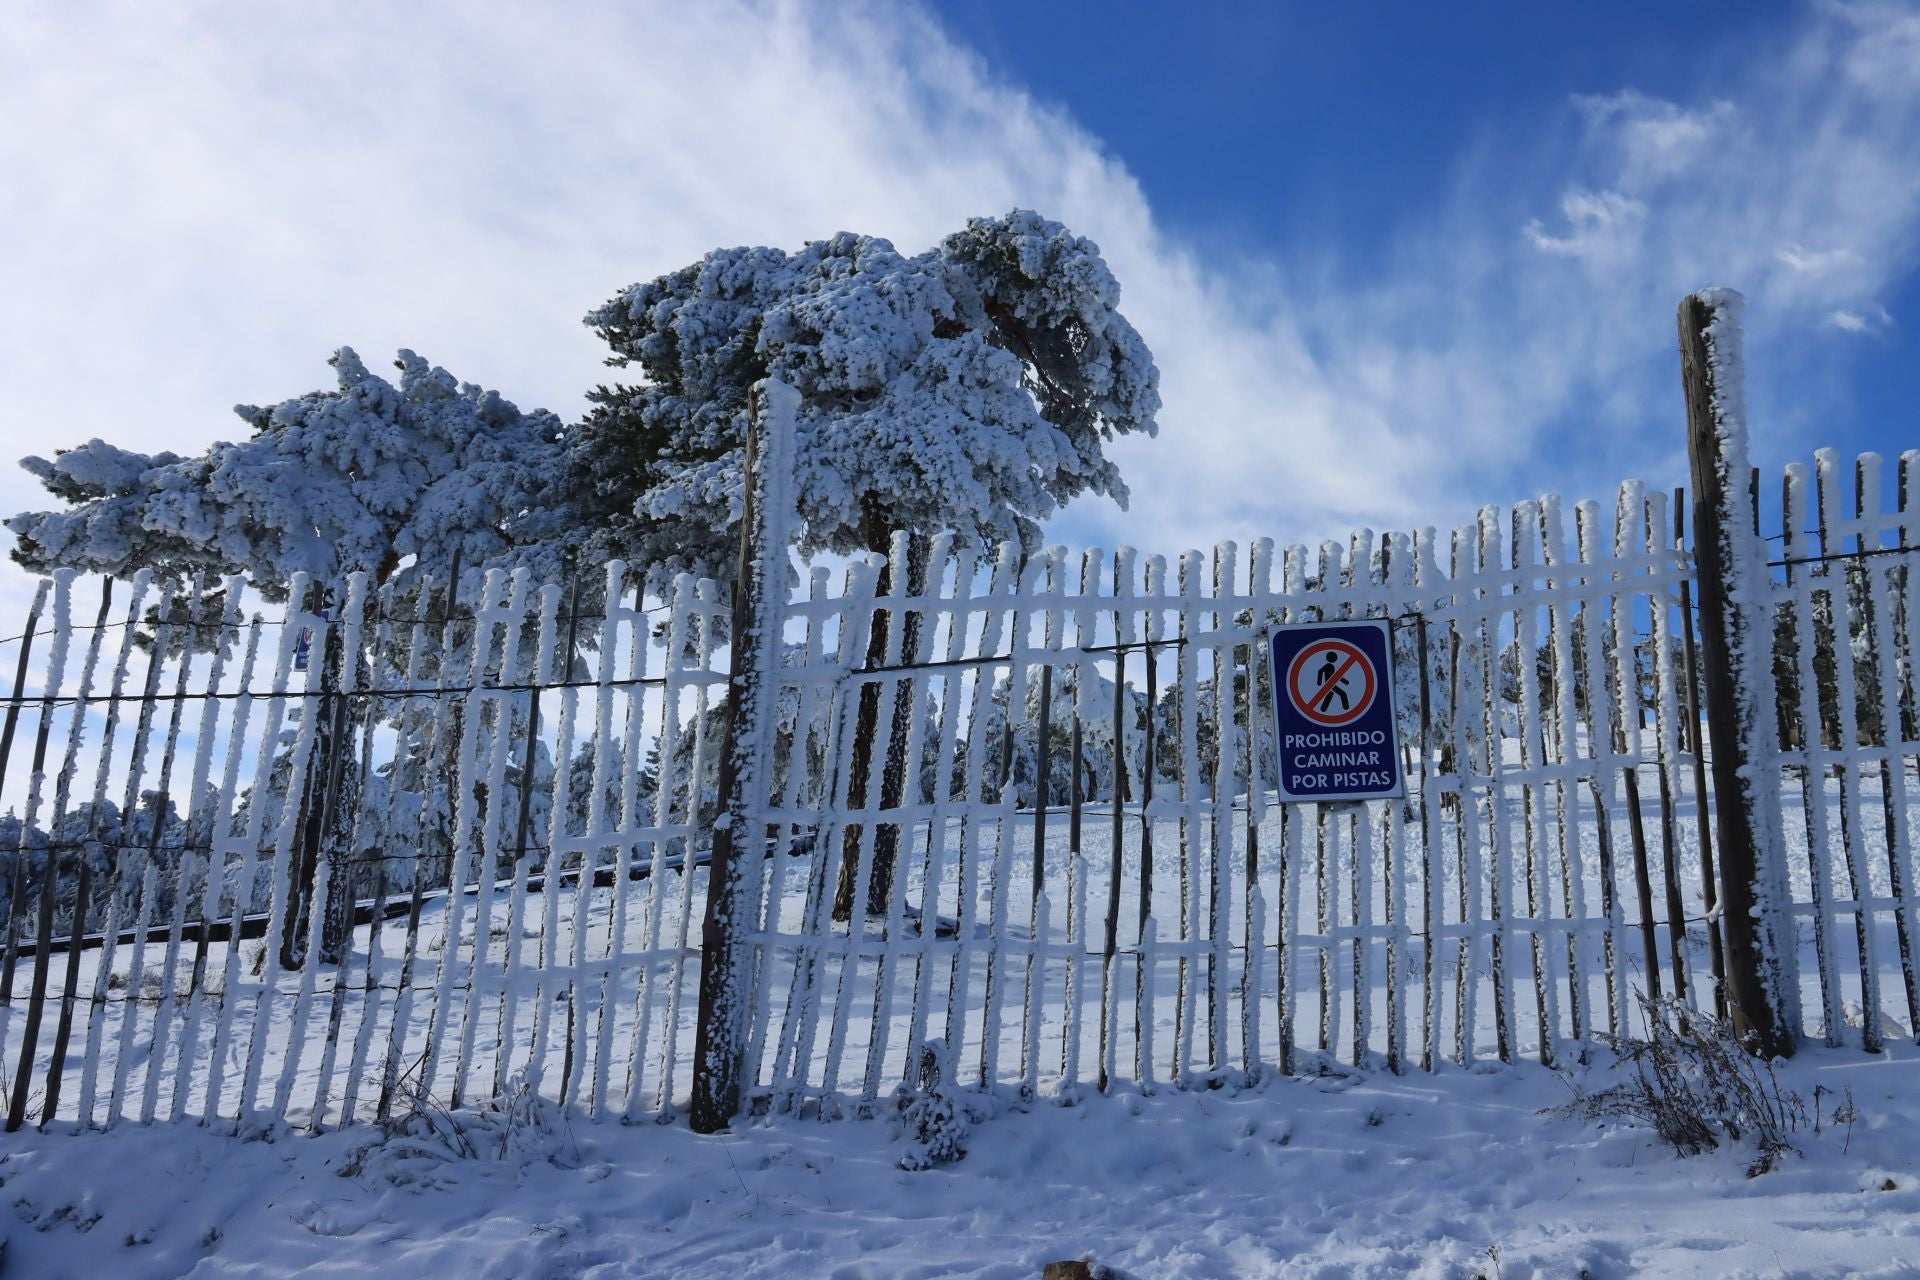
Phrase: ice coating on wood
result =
(726, 995)
(1750, 594)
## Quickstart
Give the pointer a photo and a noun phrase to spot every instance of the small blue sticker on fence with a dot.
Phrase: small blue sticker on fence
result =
(1333, 710)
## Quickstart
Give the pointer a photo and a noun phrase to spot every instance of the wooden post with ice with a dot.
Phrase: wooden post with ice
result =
(746, 759)
(1737, 660)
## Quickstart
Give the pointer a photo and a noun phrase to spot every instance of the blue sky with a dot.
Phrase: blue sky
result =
(1394, 260)
(1290, 123)
(1304, 133)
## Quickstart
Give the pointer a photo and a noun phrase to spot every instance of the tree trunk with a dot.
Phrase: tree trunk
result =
(321, 806)
(1735, 642)
(878, 536)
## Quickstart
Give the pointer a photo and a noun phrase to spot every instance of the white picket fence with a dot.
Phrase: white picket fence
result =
(1267, 935)
(1848, 600)
(499, 925)
(518, 845)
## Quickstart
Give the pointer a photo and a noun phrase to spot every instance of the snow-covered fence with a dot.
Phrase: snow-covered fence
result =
(1809, 683)
(1158, 918)
(1088, 888)
(382, 848)
(322, 863)
(1845, 600)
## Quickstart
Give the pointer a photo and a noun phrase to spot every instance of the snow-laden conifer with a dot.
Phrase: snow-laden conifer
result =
(366, 477)
(970, 388)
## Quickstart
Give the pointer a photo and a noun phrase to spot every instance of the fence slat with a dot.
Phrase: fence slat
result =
(1124, 636)
(927, 928)
(1883, 635)
(1845, 731)
(1500, 900)
(1525, 647)
(1219, 822)
(627, 815)
(77, 914)
(98, 1008)
(1563, 753)
(43, 929)
(1426, 572)
(1254, 702)
(1629, 715)
(1812, 754)
(1362, 570)
(1595, 674)
(1667, 747)
(1148, 935)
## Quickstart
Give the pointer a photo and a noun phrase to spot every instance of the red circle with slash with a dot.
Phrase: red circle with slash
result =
(1331, 682)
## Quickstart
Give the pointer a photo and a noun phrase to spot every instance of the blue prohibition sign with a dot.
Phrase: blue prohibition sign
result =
(1333, 711)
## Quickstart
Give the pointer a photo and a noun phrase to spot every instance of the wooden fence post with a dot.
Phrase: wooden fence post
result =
(1737, 661)
(746, 759)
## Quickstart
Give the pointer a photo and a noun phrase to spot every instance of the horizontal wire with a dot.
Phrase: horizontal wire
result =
(1843, 555)
(688, 676)
(370, 617)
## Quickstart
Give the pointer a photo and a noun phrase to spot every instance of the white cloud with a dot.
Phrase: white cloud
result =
(1651, 138)
(1875, 319)
(1817, 262)
(1598, 223)
(199, 205)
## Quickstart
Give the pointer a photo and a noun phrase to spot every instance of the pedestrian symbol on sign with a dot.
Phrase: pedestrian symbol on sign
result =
(1332, 682)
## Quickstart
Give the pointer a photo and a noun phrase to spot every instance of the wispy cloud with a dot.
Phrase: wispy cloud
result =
(1875, 320)
(200, 206)
(1816, 262)
(1599, 223)
(1533, 350)
(1648, 138)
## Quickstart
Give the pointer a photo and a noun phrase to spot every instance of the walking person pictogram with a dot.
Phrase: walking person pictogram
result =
(1333, 681)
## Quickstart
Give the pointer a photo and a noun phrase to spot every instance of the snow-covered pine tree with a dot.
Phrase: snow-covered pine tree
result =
(970, 388)
(1013, 755)
(369, 477)
(376, 477)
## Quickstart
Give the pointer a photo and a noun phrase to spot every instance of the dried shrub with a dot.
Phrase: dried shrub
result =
(421, 1139)
(1695, 1084)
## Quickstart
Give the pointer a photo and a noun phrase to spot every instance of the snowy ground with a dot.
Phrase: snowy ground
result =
(1454, 1174)
(1451, 1175)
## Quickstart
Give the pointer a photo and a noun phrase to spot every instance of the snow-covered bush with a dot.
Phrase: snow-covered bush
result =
(1694, 1083)
(932, 1117)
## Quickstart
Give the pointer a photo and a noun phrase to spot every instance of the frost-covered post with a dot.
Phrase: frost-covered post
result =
(1737, 669)
(746, 760)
